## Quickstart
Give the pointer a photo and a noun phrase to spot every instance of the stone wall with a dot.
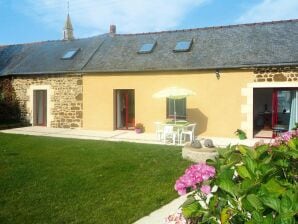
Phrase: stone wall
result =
(66, 98)
(285, 74)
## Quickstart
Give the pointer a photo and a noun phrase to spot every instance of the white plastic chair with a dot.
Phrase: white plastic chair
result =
(188, 130)
(169, 133)
(158, 130)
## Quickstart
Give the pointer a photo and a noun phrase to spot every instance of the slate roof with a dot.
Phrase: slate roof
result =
(236, 46)
(45, 57)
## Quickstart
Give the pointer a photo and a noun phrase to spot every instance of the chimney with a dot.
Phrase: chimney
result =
(112, 30)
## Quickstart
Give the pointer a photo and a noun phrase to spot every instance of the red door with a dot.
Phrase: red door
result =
(125, 115)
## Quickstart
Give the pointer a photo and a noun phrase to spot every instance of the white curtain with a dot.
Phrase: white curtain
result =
(294, 109)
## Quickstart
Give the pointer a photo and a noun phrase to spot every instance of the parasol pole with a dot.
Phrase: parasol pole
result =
(175, 110)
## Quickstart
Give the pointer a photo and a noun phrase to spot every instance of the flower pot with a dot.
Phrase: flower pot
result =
(138, 130)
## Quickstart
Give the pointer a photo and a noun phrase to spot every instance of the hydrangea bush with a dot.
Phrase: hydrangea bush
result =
(244, 185)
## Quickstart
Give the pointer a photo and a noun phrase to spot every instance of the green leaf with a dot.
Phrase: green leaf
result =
(282, 163)
(226, 173)
(255, 202)
(274, 188)
(243, 172)
(213, 203)
(242, 149)
(292, 144)
(271, 202)
(257, 217)
(210, 162)
(225, 152)
(268, 219)
(287, 203)
(293, 154)
(190, 199)
(261, 149)
(246, 184)
(247, 206)
(252, 153)
(225, 215)
(228, 186)
(234, 158)
(267, 170)
(250, 164)
(266, 160)
(191, 210)
(285, 220)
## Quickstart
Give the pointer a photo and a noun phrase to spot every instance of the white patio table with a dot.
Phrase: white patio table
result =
(177, 128)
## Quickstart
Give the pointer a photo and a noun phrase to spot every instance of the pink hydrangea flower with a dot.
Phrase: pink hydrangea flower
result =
(176, 218)
(206, 189)
(284, 137)
(193, 176)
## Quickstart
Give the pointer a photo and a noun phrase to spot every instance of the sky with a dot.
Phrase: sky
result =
(25, 21)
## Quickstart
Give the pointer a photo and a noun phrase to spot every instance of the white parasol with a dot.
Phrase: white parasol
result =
(174, 93)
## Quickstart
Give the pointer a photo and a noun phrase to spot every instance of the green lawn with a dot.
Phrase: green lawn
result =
(54, 180)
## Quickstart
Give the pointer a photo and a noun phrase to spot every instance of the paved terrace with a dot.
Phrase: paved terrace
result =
(117, 135)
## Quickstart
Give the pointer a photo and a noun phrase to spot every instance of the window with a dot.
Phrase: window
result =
(147, 48)
(70, 53)
(183, 46)
(284, 101)
(180, 105)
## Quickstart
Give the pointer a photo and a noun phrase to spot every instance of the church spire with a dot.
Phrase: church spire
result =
(68, 30)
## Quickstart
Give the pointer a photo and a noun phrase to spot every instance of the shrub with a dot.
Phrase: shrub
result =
(9, 106)
(140, 127)
(241, 134)
(251, 185)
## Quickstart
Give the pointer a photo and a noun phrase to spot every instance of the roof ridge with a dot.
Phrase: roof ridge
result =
(47, 41)
(212, 27)
(160, 32)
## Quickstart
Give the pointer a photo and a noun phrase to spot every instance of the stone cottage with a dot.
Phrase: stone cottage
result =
(244, 76)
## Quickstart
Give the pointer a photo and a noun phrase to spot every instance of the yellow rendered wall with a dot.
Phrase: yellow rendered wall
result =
(216, 107)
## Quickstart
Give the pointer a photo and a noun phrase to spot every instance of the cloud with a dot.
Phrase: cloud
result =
(95, 16)
(270, 10)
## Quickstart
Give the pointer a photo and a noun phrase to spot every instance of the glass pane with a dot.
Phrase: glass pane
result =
(70, 54)
(40, 107)
(180, 105)
(284, 107)
(131, 102)
(147, 48)
(284, 101)
(183, 46)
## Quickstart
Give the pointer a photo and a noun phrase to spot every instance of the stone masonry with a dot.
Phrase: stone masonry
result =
(66, 97)
(283, 74)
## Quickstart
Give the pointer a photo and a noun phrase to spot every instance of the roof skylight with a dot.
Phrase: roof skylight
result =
(183, 46)
(147, 48)
(70, 53)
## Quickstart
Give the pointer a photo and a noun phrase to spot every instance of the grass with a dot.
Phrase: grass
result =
(54, 180)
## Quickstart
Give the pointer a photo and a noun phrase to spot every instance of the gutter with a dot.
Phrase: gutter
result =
(45, 73)
(81, 71)
(243, 66)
